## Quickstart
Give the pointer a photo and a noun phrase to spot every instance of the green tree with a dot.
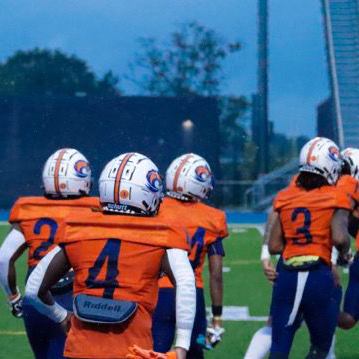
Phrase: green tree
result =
(47, 72)
(190, 63)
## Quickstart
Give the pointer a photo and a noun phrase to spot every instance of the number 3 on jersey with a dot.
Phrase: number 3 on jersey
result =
(304, 230)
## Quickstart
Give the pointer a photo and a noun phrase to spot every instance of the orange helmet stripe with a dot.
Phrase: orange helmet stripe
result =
(311, 150)
(57, 169)
(119, 176)
(179, 169)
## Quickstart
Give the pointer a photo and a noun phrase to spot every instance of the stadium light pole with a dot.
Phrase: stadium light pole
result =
(262, 86)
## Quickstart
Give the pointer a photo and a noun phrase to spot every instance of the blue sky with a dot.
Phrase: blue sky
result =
(104, 33)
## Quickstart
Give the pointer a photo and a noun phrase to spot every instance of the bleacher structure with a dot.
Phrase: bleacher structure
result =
(341, 28)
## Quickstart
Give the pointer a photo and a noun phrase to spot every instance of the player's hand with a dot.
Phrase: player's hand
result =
(180, 353)
(346, 259)
(15, 303)
(138, 353)
(269, 270)
(66, 323)
(214, 332)
(336, 276)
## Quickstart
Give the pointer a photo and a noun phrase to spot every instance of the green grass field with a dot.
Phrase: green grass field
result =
(245, 285)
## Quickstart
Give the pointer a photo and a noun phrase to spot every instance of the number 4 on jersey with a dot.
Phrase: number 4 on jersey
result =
(197, 244)
(111, 252)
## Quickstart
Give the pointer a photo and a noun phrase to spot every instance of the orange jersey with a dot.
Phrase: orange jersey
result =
(204, 224)
(350, 187)
(306, 219)
(41, 220)
(117, 257)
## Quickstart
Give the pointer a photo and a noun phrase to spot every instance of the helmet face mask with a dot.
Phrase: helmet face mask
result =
(131, 184)
(66, 174)
(321, 156)
(189, 178)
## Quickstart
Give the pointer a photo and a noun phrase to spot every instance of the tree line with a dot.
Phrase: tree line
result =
(190, 62)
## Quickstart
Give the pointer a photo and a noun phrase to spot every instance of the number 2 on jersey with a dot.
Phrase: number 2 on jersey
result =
(44, 246)
(305, 228)
(111, 251)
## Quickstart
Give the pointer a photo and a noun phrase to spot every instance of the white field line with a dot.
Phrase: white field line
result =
(258, 227)
(12, 332)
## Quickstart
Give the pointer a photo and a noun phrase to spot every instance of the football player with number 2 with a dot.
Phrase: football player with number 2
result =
(35, 225)
(117, 254)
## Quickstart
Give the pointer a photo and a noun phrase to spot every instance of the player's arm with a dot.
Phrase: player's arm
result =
(276, 242)
(177, 266)
(49, 270)
(340, 234)
(215, 261)
(11, 249)
(268, 268)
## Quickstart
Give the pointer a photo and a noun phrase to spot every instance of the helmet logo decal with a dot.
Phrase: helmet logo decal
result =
(81, 168)
(154, 181)
(334, 153)
(202, 173)
(119, 176)
(57, 169)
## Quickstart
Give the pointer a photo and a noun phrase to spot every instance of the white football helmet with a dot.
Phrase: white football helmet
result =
(189, 178)
(321, 156)
(131, 184)
(66, 173)
(351, 157)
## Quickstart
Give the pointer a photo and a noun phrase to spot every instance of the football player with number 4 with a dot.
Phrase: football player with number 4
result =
(35, 225)
(117, 254)
(189, 181)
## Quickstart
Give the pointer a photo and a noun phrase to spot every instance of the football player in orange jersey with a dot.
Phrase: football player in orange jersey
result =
(313, 216)
(189, 180)
(350, 314)
(117, 255)
(36, 223)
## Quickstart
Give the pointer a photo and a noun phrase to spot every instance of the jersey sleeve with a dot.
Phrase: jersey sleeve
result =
(15, 213)
(216, 248)
(347, 191)
(222, 226)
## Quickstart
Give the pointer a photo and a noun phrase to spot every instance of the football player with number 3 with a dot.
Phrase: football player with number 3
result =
(313, 216)
(189, 181)
(117, 254)
(35, 225)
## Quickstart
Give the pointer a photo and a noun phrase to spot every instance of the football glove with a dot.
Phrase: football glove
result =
(214, 333)
(138, 353)
(345, 260)
(15, 304)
